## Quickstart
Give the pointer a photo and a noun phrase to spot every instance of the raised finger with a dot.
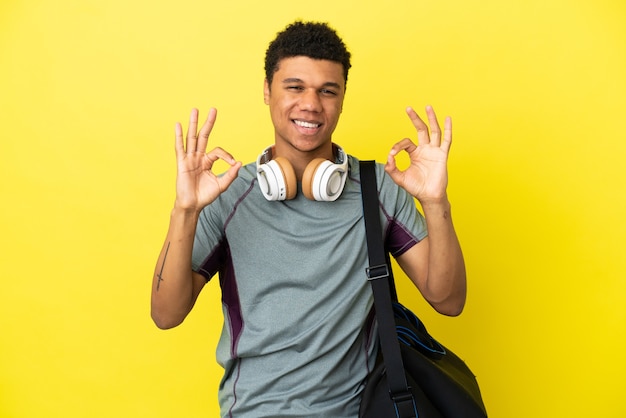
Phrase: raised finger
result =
(420, 126)
(192, 131)
(435, 130)
(205, 131)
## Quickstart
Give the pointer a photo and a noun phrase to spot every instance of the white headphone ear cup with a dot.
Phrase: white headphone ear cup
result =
(328, 182)
(268, 182)
(276, 177)
(288, 177)
(323, 181)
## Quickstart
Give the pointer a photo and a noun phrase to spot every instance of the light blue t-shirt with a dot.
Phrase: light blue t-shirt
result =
(297, 339)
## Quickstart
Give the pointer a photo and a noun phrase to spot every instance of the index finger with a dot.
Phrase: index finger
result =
(405, 145)
(219, 153)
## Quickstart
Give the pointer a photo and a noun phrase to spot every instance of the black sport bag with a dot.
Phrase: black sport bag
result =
(415, 376)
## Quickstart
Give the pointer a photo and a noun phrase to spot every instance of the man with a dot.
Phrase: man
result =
(289, 243)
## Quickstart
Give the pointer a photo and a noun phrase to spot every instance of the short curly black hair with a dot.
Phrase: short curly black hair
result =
(315, 40)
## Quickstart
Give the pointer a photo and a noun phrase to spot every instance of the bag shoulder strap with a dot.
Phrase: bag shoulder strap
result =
(380, 276)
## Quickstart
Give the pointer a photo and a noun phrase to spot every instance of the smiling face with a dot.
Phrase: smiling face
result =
(305, 100)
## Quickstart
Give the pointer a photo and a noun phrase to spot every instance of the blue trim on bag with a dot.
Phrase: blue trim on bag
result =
(409, 338)
(398, 412)
(409, 397)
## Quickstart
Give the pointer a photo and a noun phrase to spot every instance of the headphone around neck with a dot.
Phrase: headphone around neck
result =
(322, 180)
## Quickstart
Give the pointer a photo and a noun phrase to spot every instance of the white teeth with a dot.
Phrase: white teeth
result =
(306, 124)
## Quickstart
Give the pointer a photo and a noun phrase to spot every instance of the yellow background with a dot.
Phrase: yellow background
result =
(89, 94)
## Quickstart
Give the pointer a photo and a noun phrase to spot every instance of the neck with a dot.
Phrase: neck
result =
(300, 159)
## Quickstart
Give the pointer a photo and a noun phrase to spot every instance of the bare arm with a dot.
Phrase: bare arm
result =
(175, 287)
(436, 264)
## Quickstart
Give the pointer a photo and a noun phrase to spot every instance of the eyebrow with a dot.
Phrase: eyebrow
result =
(297, 80)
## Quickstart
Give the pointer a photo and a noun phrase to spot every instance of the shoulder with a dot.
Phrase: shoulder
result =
(383, 181)
(354, 168)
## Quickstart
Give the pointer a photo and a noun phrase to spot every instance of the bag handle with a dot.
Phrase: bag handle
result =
(380, 277)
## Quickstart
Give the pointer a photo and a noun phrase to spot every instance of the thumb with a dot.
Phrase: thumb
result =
(226, 179)
(392, 169)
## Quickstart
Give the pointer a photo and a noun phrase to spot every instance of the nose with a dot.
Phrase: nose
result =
(310, 101)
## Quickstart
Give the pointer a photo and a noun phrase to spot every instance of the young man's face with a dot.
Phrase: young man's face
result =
(305, 100)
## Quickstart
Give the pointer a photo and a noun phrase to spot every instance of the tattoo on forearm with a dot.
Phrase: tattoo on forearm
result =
(160, 275)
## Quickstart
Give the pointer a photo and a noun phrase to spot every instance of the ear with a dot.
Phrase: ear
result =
(266, 92)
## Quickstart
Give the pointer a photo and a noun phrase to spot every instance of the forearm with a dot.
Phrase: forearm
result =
(173, 289)
(445, 286)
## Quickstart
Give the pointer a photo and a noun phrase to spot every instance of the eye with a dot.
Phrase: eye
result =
(328, 92)
(295, 88)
